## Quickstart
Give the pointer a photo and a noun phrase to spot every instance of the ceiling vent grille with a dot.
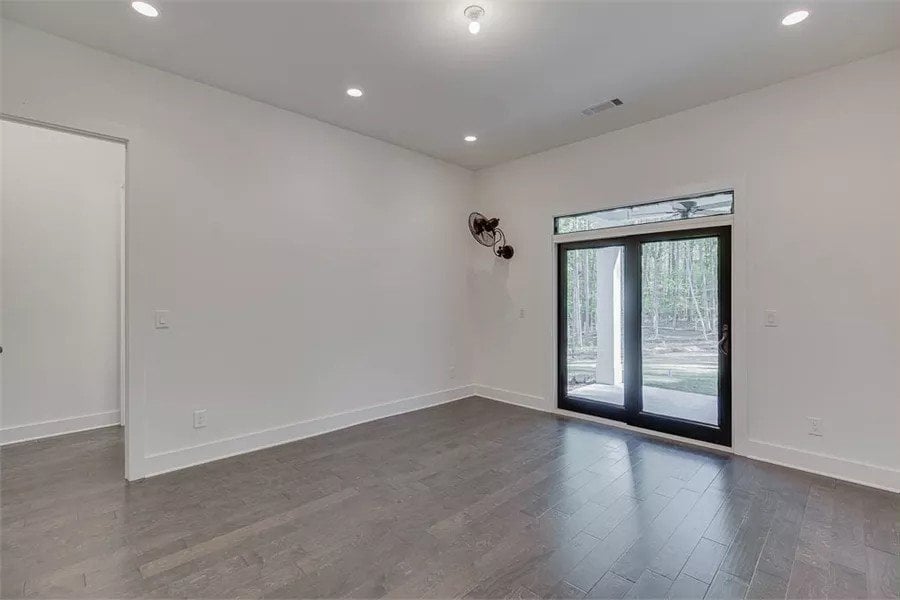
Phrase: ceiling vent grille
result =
(593, 110)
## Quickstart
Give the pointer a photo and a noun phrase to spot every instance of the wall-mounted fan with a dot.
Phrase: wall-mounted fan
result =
(487, 233)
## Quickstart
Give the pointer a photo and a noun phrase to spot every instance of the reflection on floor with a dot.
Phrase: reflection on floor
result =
(672, 403)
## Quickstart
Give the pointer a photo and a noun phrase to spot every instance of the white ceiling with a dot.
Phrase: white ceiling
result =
(519, 85)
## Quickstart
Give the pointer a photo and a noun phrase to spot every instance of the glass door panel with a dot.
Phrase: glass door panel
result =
(680, 329)
(594, 325)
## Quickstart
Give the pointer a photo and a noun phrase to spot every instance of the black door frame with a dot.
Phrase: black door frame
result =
(632, 413)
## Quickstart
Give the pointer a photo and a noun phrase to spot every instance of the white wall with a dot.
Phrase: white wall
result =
(816, 166)
(61, 199)
(310, 271)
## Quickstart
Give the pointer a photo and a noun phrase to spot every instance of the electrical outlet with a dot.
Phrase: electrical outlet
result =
(199, 419)
(521, 313)
(771, 318)
(452, 372)
(815, 426)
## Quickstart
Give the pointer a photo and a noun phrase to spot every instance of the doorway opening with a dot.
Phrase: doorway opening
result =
(63, 295)
(644, 331)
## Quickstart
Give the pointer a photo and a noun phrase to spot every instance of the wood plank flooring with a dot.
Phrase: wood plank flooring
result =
(469, 499)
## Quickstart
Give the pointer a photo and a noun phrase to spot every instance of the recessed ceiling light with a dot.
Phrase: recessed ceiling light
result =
(471, 138)
(795, 17)
(148, 10)
(473, 13)
(354, 92)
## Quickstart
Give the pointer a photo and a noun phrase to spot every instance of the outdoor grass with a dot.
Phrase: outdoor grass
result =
(694, 372)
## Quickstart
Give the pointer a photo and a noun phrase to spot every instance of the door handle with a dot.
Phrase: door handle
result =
(723, 341)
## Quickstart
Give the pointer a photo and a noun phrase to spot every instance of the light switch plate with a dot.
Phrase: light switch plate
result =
(161, 319)
(771, 318)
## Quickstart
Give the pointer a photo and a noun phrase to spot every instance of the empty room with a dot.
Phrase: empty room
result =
(435, 299)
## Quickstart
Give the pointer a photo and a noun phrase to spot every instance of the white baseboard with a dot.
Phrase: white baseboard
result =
(174, 460)
(34, 431)
(862, 473)
(511, 397)
(821, 464)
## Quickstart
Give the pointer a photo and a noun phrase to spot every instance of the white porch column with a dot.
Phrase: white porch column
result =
(608, 316)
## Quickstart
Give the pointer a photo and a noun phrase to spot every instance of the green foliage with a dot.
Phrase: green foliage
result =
(679, 287)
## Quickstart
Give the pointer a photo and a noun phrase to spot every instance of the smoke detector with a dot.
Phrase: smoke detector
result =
(593, 110)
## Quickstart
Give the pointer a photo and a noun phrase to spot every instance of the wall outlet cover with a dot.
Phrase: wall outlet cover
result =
(199, 419)
(815, 426)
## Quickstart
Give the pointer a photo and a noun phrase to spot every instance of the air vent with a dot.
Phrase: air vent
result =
(593, 110)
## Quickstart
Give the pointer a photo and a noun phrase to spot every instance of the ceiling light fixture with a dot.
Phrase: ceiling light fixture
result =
(795, 17)
(473, 13)
(471, 138)
(354, 92)
(148, 10)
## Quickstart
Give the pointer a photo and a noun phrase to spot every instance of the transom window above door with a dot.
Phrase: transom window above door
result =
(692, 207)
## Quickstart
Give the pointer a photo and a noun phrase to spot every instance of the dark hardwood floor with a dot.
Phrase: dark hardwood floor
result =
(473, 498)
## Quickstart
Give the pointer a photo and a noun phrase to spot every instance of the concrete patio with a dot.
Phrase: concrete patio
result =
(683, 405)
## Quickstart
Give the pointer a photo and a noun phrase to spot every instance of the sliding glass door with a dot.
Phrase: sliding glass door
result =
(644, 331)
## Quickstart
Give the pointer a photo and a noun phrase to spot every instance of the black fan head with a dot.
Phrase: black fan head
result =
(482, 228)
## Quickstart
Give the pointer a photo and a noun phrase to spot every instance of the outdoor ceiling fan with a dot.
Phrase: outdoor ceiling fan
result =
(685, 209)
(487, 233)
